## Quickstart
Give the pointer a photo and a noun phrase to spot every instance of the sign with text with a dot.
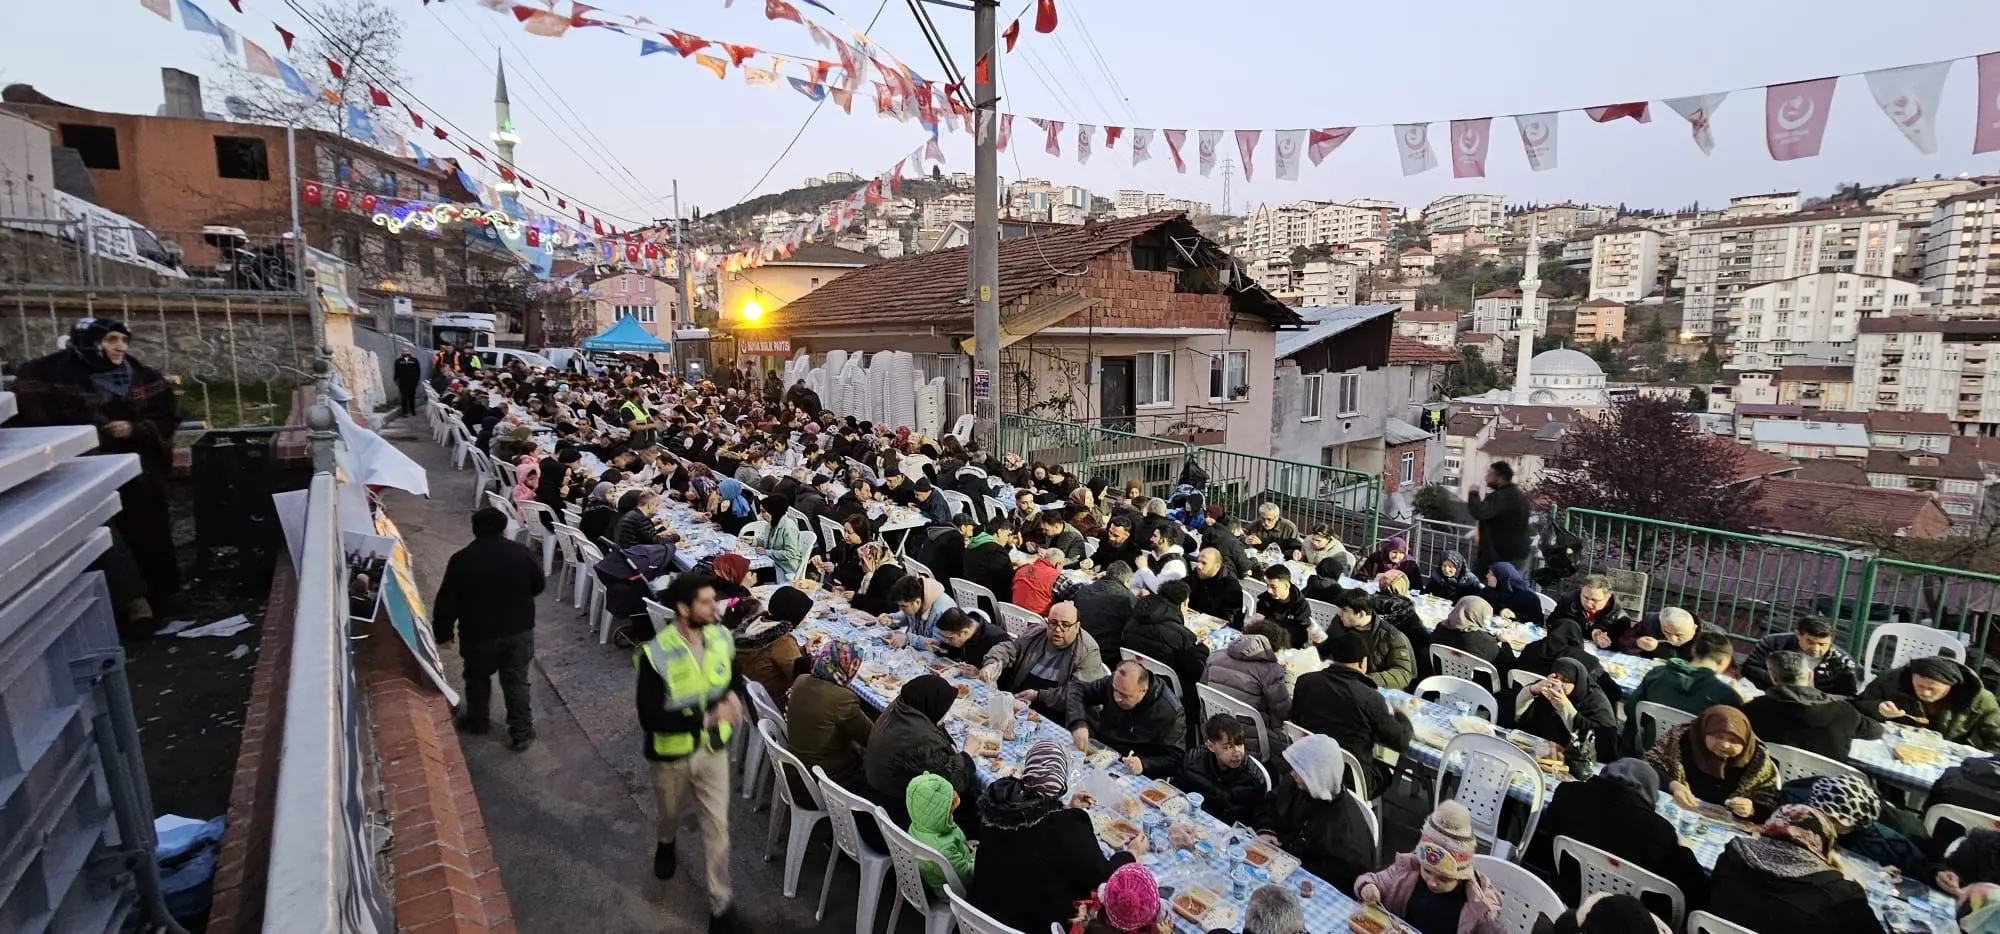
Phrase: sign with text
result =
(781, 347)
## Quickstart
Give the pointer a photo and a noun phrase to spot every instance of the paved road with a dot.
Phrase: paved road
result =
(571, 818)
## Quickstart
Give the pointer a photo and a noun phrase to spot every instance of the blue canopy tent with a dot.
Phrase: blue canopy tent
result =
(627, 335)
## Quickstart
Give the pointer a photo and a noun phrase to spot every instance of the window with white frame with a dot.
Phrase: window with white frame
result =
(1153, 379)
(1349, 402)
(648, 314)
(1900, 301)
(1314, 387)
(1408, 471)
(1228, 375)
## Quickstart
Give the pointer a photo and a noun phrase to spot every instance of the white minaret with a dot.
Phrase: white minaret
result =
(503, 132)
(1531, 287)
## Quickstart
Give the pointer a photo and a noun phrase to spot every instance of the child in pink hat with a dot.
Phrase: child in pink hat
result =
(1453, 898)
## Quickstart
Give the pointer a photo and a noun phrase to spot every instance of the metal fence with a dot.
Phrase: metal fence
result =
(86, 251)
(1895, 591)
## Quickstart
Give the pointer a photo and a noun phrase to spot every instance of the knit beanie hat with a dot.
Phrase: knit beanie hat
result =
(1131, 898)
(1446, 843)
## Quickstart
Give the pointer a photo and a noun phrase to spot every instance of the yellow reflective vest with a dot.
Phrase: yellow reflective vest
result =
(693, 687)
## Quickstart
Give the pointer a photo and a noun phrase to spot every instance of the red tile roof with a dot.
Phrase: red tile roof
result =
(1953, 466)
(1754, 464)
(1909, 423)
(1428, 315)
(1831, 510)
(1520, 442)
(1465, 425)
(1409, 350)
(1509, 292)
(1416, 251)
(1833, 470)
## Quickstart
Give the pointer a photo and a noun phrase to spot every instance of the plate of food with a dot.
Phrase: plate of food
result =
(1101, 758)
(1469, 724)
(1117, 833)
(1083, 799)
(1221, 918)
(806, 585)
(1374, 919)
(1913, 754)
(1277, 862)
(970, 714)
(1195, 903)
(982, 743)
(964, 691)
(1158, 794)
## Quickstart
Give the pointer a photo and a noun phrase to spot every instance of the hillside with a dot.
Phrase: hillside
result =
(735, 220)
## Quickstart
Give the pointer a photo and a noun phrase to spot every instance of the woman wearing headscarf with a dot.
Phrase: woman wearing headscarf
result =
(1938, 694)
(1507, 591)
(96, 381)
(1464, 629)
(1717, 759)
(1566, 708)
(732, 576)
(825, 722)
(729, 507)
(702, 487)
(1436, 887)
(598, 513)
(1312, 818)
(1038, 857)
(1864, 826)
(879, 573)
(1452, 578)
(1616, 811)
(909, 740)
(1249, 671)
(1606, 913)
(1393, 608)
(1127, 903)
(1392, 555)
(765, 650)
(1788, 878)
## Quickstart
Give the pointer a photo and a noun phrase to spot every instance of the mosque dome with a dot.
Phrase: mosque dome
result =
(1563, 361)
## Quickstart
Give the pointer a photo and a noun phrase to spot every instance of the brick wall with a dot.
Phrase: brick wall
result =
(1392, 467)
(246, 839)
(1128, 297)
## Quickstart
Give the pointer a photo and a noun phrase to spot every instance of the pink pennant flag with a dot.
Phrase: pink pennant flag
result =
(1286, 153)
(933, 151)
(1053, 144)
(1142, 142)
(1538, 139)
(259, 61)
(1322, 143)
(1468, 147)
(1006, 131)
(1084, 132)
(1205, 141)
(1413, 142)
(843, 97)
(1986, 135)
(1246, 146)
(1795, 117)
(1909, 96)
(160, 7)
(1637, 110)
(1174, 140)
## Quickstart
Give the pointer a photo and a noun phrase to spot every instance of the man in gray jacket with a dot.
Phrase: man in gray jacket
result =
(1043, 665)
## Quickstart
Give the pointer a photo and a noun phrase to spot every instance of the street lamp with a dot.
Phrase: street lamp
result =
(752, 311)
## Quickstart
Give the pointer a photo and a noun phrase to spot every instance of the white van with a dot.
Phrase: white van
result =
(496, 357)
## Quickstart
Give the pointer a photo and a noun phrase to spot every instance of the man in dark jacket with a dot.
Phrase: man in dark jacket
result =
(1285, 605)
(1226, 535)
(989, 564)
(1833, 670)
(1214, 589)
(1159, 629)
(1105, 606)
(1594, 610)
(1391, 661)
(1056, 534)
(556, 483)
(1502, 514)
(1614, 812)
(408, 374)
(931, 503)
(943, 549)
(635, 523)
(965, 640)
(1687, 685)
(1119, 543)
(1133, 714)
(1792, 712)
(488, 596)
(1230, 789)
(1044, 666)
(1341, 702)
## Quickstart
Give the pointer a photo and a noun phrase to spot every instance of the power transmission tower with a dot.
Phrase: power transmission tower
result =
(1228, 172)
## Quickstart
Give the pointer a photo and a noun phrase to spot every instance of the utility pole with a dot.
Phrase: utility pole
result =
(683, 270)
(1228, 170)
(985, 259)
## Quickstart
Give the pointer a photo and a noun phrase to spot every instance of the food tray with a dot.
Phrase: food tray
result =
(982, 743)
(1195, 903)
(1165, 797)
(1278, 863)
(1469, 724)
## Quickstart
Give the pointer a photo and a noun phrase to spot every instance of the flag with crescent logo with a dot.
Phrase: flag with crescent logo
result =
(1285, 153)
(1053, 144)
(1246, 146)
(1468, 147)
(1795, 117)
(1538, 139)
(1142, 141)
(1174, 140)
(1700, 114)
(1986, 136)
(1084, 132)
(1322, 142)
(1006, 131)
(1205, 141)
(1909, 97)
(1413, 143)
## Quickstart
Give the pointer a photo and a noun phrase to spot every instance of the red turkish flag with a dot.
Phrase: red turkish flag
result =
(595, 224)
(564, 203)
(652, 251)
(334, 69)
(1045, 15)
(342, 198)
(474, 152)
(368, 202)
(506, 174)
(534, 238)
(438, 132)
(1011, 33)
(416, 119)
(1637, 110)
(527, 184)
(1111, 134)
(579, 216)
(310, 193)
(779, 9)
(738, 53)
(631, 252)
(683, 43)
(525, 13)
(286, 35)
(376, 97)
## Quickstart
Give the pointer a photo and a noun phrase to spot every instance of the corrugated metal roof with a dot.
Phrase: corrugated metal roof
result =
(1323, 322)
(1772, 431)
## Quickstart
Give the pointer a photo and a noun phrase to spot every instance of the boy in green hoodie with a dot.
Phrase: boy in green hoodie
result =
(931, 801)
(1691, 685)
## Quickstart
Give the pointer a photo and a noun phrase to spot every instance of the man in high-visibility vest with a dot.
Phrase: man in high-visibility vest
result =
(688, 707)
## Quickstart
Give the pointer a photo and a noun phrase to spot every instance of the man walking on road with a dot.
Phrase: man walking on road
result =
(688, 706)
(489, 593)
(408, 374)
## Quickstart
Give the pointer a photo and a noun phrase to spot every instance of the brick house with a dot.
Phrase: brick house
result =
(1138, 323)
(1837, 512)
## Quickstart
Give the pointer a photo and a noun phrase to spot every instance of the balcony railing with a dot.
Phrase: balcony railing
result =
(84, 254)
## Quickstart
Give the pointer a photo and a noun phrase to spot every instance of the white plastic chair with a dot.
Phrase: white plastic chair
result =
(969, 595)
(1374, 820)
(1254, 587)
(762, 708)
(754, 530)
(1960, 815)
(1249, 606)
(972, 919)
(535, 513)
(1795, 763)
(1446, 686)
(501, 503)
(1548, 604)
(1655, 719)
(1217, 700)
(1911, 641)
(997, 507)
(1524, 898)
(1484, 784)
(1263, 774)
(1603, 872)
(806, 814)
(841, 807)
(959, 502)
(918, 568)
(1517, 678)
(1323, 615)
(1464, 665)
(1158, 668)
(661, 617)
(829, 532)
(572, 564)
(962, 429)
(1701, 922)
(1295, 732)
(1019, 620)
(906, 855)
(483, 469)
(1356, 776)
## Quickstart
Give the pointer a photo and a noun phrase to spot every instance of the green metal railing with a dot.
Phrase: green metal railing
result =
(1895, 591)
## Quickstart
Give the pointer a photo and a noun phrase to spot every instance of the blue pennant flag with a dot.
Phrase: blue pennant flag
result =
(810, 89)
(292, 78)
(466, 181)
(648, 47)
(423, 161)
(359, 124)
(195, 19)
(822, 6)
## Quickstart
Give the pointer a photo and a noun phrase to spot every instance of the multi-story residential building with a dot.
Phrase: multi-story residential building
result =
(654, 302)
(1914, 201)
(1962, 249)
(1674, 230)
(1726, 258)
(1328, 283)
(1033, 198)
(1576, 250)
(1279, 229)
(1813, 319)
(1927, 364)
(957, 206)
(1348, 223)
(1827, 388)
(1625, 264)
(1599, 320)
(1775, 203)
(1416, 263)
(1195, 209)
(812, 181)
(1276, 230)
(1596, 215)
(1551, 222)
(1469, 210)
(1068, 214)
(1449, 241)
(1391, 293)
(963, 181)
(1128, 202)
(1806, 440)
(1272, 274)
(1499, 312)
(1367, 251)
(842, 178)
(1437, 327)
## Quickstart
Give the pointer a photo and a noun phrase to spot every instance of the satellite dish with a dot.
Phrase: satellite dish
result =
(237, 107)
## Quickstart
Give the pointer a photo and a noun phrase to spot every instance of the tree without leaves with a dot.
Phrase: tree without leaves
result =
(364, 36)
(1646, 458)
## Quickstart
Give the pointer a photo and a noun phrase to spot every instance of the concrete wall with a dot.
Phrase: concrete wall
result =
(205, 339)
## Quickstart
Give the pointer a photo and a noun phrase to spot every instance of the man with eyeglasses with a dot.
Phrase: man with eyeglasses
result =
(1042, 664)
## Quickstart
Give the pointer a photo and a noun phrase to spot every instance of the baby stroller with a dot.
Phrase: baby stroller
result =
(630, 575)
(1558, 547)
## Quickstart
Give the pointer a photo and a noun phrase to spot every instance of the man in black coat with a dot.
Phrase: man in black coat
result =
(962, 638)
(1119, 544)
(1792, 712)
(943, 549)
(1214, 589)
(488, 596)
(1133, 714)
(1341, 702)
(1230, 789)
(1614, 812)
(1225, 535)
(1105, 605)
(408, 374)
(1502, 514)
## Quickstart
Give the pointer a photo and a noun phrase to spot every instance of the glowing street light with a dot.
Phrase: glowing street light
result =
(752, 311)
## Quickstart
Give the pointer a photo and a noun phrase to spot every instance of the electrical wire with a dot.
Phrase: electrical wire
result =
(773, 167)
(1090, 44)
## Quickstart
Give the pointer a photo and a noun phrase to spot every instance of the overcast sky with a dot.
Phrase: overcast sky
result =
(1179, 63)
